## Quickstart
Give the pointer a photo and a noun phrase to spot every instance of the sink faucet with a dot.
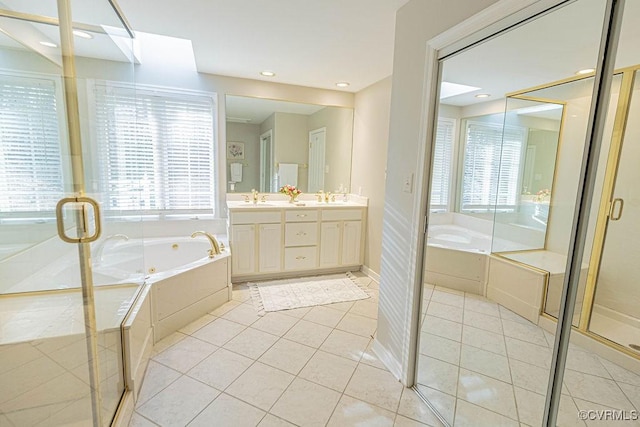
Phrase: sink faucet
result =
(100, 246)
(215, 246)
(254, 194)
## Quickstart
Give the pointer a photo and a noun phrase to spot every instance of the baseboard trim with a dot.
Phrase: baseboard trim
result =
(372, 274)
(394, 366)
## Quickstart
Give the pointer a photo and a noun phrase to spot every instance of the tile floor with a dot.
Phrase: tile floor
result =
(483, 365)
(310, 366)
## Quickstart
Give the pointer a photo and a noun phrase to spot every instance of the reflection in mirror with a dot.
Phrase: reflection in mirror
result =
(274, 143)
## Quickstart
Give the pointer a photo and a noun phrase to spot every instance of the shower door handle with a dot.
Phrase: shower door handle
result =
(613, 215)
(85, 219)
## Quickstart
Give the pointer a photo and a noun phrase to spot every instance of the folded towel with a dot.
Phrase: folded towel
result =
(236, 172)
(288, 174)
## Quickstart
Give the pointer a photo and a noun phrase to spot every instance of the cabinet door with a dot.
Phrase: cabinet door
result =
(351, 236)
(270, 254)
(243, 249)
(330, 243)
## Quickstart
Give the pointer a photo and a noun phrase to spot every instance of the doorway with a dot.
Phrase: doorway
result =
(317, 142)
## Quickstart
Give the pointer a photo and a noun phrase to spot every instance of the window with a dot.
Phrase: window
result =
(30, 160)
(491, 168)
(441, 173)
(156, 149)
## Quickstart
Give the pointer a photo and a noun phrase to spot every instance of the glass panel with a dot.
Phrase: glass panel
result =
(46, 356)
(484, 352)
(615, 314)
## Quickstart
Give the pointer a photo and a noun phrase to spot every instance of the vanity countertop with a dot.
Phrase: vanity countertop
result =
(303, 204)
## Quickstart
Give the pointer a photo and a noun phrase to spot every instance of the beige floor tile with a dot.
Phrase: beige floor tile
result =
(323, 315)
(306, 403)
(402, 421)
(220, 369)
(436, 374)
(440, 348)
(370, 358)
(483, 321)
(485, 362)
(244, 314)
(167, 342)
(447, 297)
(444, 403)
(365, 308)
(484, 340)
(489, 393)
(185, 354)
(138, 420)
(375, 386)
(251, 343)
(345, 344)
(288, 356)
(329, 370)
(481, 305)
(442, 328)
(445, 311)
(197, 324)
(275, 323)
(219, 331)
(341, 306)
(529, 353)
(308, 333)
(155, 380)
(273, 421)
(354, 412)
(596, 389)
(296, 312)
(179, 403)
(228, 411)
(225, 308)
(524, 332)
(260, 385)
(469, 415)
(411, 406)
(358, 325)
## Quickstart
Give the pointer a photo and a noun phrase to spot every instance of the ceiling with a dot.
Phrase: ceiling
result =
(307, 43)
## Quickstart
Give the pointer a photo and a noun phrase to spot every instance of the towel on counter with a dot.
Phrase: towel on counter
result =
(288, 174)
(236, 172)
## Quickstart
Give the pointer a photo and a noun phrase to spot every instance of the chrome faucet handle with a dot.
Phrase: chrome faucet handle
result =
(246, 197)
(319, 195)
(263, 198)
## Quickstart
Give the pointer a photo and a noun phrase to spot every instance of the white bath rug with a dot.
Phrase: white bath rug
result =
(288, 294)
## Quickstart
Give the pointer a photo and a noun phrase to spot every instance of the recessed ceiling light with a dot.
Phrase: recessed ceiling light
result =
(82, 34)
(585, 71)
(267, 73)
(482, 95)
(48, 44)
(343, 84)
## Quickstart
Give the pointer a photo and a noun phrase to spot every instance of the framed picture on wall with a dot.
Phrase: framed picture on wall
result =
(235, 150)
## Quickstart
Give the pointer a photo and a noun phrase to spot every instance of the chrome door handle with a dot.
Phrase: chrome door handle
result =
(612, 213)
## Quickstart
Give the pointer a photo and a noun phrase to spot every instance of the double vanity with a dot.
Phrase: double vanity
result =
(275, 238)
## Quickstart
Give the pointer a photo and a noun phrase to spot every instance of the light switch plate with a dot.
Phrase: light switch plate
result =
(407, 184)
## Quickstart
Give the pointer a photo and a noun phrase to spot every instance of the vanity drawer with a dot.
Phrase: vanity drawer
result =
(301, 258)
(301, 234)
(342, 214)
(263, 217)
(301, 215)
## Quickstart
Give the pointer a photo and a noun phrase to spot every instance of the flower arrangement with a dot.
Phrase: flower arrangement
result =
(291, 191)
(541, 195)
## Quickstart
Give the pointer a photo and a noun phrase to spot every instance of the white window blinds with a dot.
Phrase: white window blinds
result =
(156, 148)
(30, 160)
(491, 167)
(441, 173)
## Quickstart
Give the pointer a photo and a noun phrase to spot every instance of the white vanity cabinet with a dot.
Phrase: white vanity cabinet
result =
(269, 242)
(341, 237)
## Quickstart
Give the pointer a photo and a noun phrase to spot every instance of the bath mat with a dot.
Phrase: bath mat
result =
(288, 294)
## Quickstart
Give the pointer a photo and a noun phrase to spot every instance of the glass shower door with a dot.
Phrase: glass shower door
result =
(615, 313)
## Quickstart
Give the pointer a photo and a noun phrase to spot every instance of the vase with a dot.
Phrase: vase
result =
(292, 198)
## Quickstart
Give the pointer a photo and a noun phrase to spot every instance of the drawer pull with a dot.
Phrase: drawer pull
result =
(301, 257)
(301, 215)
(301, 233)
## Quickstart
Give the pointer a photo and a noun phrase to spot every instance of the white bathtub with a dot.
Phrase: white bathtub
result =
(457, 257)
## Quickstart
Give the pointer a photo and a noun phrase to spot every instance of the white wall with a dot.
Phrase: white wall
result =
(291, 145)
(416, 23)
(370, 142)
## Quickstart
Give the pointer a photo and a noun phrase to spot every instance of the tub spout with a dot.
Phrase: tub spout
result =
(100, 247)
(215, 246)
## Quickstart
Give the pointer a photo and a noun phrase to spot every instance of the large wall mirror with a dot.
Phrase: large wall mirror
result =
(272, 143)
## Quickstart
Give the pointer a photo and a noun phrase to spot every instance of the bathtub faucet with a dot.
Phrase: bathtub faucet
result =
(215, 246)
(100, 246)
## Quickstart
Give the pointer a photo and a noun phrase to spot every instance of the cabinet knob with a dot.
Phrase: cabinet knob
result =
(301, 233)
(301, 215)
(301, 257)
